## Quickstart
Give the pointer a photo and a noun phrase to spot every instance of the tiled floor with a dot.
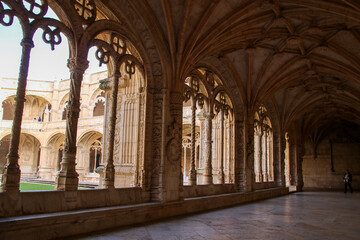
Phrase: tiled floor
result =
(307, 215)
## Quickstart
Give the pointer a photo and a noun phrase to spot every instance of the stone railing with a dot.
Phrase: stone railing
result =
(30, 125)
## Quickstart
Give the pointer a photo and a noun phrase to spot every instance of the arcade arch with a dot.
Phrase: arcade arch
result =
(263, 146)
(126, 77)
(208, 130)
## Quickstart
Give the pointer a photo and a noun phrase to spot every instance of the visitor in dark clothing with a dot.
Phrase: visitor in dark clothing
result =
(347, 181)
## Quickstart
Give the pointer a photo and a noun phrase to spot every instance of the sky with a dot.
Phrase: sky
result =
(44, 63)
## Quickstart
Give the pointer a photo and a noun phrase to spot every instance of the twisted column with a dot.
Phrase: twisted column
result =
(208, 149)
(192, 179)
(109, 176)
(67, 178)
(11, 174)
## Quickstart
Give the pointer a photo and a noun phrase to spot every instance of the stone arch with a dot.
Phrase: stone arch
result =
(34, 107)
(205, 88)
(8, 106)
(97, 102)
(99, 107)
(51, 157)
(4, 149)
(29, 152)
(87, 160)
(267, 131)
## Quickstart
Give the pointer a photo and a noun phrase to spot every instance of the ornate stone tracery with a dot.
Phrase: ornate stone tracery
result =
(31, 15)
(263, 146)
(203, 96)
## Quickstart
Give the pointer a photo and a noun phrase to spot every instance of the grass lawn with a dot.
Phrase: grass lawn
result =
(35, 187)
(38, 187)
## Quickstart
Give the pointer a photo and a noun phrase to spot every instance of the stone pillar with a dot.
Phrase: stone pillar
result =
(249, 129)
(240, 157)
(67, 178)
(287, 160)
(222, 132)
(201, 141)
(257, 155)
(208, 148)
(280, 168)
(109, 170)
(10, 181)
(105, 85)
(271, 156)
(173, 184)
(156, 170)
(45, 168)
(184, 160)
(292, 163)
(192, 179)
(299, 172)
(264, 156)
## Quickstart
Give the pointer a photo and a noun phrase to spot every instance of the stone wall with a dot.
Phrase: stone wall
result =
(62, 224)
(325, 167)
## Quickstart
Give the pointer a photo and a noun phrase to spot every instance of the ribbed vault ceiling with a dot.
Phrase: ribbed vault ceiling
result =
(300, 56)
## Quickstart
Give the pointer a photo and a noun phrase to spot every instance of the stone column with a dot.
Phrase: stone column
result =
(45, 168)
(280, 166)
(257, 155)
(67, 178)
(240, 156)
(109, 171)
(173, 184)
(105, 85)
(264, 156)
(287, 160)
(222, 176)
(249, 129)
(192, 179)
(299, 172)
(201, 141)
(292, 163)
(184, 161)
(208, 148)
(10, 181)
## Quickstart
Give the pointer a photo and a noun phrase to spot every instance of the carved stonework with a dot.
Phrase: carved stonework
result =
(173, 147)
(156, 182)
(67, 178)
(86, 9)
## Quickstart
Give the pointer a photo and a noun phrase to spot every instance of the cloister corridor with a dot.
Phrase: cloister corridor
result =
(297, 216)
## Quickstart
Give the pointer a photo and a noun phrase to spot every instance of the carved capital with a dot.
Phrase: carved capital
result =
(209, 115)
(105, 84)
(77, 65)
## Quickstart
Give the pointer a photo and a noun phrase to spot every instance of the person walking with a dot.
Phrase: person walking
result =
(348, 180)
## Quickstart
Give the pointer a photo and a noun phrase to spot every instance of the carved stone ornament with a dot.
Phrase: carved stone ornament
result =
(173, 148)
(86, 9)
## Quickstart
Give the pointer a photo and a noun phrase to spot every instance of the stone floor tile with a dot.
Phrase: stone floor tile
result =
(298, 216)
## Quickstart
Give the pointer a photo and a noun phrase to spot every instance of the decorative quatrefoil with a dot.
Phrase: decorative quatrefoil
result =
(86, 10)
(195, 84)
(118, 43)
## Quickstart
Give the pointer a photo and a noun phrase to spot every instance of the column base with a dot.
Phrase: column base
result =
(67, 181)
(10, 181)
(192, 180)
(108, 179)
